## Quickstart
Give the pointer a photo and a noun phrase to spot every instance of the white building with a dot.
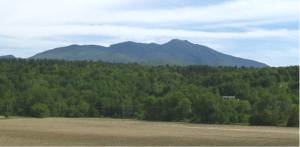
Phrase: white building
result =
(228, 97)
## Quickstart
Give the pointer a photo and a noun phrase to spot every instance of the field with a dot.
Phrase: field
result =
(103, 131)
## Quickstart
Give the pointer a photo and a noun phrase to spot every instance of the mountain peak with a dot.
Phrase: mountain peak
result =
(126, 43)
(178, 41)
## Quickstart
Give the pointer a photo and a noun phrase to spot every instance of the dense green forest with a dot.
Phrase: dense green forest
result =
(42, 88)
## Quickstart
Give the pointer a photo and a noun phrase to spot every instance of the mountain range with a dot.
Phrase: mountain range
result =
(174, 52)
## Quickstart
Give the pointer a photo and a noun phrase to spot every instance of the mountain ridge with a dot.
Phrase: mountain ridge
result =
(175, 52)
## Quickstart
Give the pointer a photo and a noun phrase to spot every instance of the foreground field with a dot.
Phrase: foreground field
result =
(92, 131)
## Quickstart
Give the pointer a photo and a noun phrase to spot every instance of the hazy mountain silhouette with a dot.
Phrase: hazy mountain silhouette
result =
(7, 57)
(179, 52)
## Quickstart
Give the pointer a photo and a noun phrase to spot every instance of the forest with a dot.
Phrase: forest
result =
(56, 88)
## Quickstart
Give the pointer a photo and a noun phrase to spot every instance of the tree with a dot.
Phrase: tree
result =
(294, 116)
(151, 107)
(39, 110)
(243, 109)
(206, 107)
(175, 107)
(271, 110)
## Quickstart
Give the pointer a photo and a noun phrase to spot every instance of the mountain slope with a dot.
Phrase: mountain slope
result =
(7, 57)
(176, 51)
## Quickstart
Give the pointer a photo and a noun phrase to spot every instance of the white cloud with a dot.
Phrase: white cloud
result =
(290, 56)
(110, 11)
(37, 24)
(38, 32)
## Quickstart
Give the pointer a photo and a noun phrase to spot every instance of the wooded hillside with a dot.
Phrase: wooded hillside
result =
(41, 88)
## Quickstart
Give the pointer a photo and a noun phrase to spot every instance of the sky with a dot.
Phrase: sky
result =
(262, 30)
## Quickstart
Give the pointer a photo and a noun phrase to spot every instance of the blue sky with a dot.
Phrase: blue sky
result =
(262, 30)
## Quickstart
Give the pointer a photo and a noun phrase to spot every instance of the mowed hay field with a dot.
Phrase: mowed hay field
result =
(102, 131)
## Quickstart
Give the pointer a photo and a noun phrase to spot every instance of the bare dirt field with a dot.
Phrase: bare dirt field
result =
(102, 131)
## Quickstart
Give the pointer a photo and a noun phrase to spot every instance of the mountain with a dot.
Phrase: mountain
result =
(179, 52)
(7, 57)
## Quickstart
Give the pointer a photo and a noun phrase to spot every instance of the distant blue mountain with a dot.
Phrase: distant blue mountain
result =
(175, 52)
(7, 57)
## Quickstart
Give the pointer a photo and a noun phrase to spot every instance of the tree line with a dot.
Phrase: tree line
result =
(55, 88)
